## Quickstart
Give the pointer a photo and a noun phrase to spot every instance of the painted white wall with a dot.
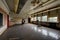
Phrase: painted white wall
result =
(19, 21)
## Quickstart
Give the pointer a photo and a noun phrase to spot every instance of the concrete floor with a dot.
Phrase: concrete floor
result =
(30, 32)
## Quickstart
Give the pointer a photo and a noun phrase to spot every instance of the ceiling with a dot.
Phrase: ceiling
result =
(25, 9)
(21, 8)
(20, 5)
(29, 9)
(10, 4)
(15, 5)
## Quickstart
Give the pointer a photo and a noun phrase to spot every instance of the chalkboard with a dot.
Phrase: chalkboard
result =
(1, 19)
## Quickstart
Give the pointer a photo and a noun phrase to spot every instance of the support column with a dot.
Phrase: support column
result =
(8, 21)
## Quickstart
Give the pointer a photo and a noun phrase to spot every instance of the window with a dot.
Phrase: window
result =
(33, 19)
(53, 16)
(1, 19)
(53, 19)
(39, 18)
(44, 18)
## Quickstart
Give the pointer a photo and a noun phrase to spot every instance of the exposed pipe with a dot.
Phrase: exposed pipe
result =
(46, 7)
(50, 10)
(43, 4)
(49, 2)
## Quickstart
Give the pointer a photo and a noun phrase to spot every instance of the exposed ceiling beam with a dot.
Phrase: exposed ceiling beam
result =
(16, 2)
(56, 3)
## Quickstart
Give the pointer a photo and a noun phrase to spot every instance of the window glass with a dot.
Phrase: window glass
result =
(53, 19)
(44, 18)
(1, 19)
(53, 16)
(33, 19)
(39, 18)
